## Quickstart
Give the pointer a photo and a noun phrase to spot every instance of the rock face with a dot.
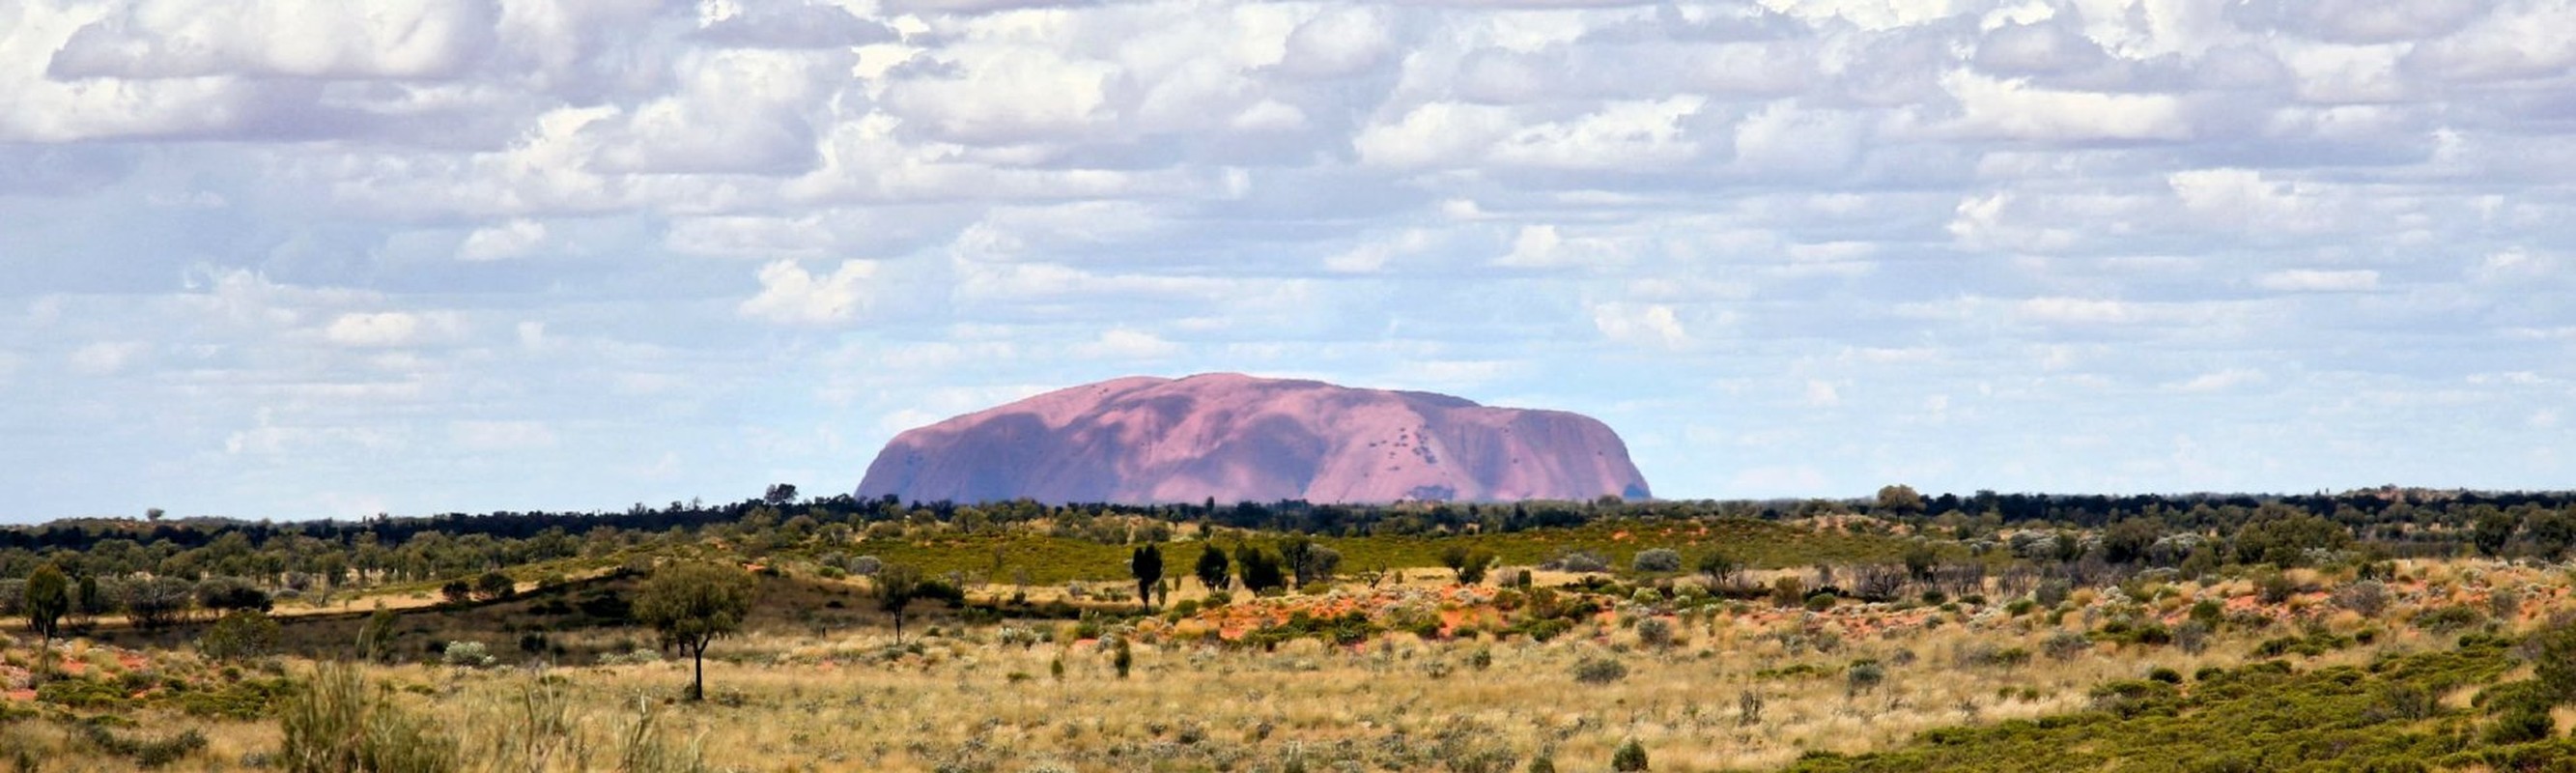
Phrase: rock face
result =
(1237, 438)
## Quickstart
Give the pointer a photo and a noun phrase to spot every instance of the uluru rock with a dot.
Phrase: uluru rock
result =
(1237, 438)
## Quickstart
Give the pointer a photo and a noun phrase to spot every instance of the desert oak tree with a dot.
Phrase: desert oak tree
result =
(693, 604)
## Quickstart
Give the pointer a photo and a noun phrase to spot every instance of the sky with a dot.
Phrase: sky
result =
(319, 259)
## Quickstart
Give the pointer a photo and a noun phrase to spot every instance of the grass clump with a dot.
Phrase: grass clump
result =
(336, 724)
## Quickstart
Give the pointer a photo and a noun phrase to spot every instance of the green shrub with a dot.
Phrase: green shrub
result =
(241, 634)
(467, 654)
(1598, 670)
(1656, 561)
(2052, 593)
(243, 700)
(1655, 632)
(2065, 645)
(2522, 724)
(1631, 756)
(2553, 660)
(147, 754)
(83, 694)
(1863, 676)
(2367, 597)
(1982, 654)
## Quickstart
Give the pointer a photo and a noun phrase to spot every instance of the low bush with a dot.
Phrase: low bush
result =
(1599, 670)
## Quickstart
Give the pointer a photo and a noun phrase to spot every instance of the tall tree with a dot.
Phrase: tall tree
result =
(2491, 528)
(1212, 568)
(1261, 571)
(1146, 565)
(1899, 499)
(692, 605)
(1308, 560)
(49, 597)
(896, 586)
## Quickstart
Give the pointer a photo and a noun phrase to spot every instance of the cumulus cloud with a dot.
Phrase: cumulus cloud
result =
(791, 295)
(507, 240)
(1128, 344)
(376, 329)
(1649, 325)
(296, 38)
(2128, 217)
(106, 358)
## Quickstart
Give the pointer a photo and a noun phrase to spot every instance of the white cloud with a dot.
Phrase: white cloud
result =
(1001, 95)
(791, 295)
(106, 358)
(2319, 281)
(1374, 255)
(298, 38)
(1822, 394)
(2220, 381)
(2015, 109)
(1338, 42)
(2022, 208)
(1434, 134)
(1647, 325)
(377, 329)
(1128, 344)
(2516, 41)
(2517, 265)
(507, 240)
(1629, 135)
(2079, 311)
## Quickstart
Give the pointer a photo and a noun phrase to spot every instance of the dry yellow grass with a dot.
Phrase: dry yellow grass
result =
(787, 697)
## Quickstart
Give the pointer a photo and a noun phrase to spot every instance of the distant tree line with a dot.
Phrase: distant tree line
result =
(321, 556)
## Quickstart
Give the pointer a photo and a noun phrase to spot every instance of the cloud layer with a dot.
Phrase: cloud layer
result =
(289, 258)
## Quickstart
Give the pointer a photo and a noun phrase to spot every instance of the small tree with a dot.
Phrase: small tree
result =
(692, 605)
(226, 594)
(1261, 570)
(156, 602)
(89, 600)
(1308, 561)
(1469, 563)
(896, 586)
(1719, 568)
(376, 636)
(1146, 565)
(1899, 499)
(241, 634)
(1212, 568)
(457, 592)
(49, 597)
(2492, 529)
(495, 586)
